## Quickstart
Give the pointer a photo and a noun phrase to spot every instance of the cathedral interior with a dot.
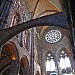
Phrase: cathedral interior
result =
(37, 37)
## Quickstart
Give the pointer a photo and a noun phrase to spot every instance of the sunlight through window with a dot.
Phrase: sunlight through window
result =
(47, 65)
(65, 64)
(50, 63)
(62, 63)
(67, 60)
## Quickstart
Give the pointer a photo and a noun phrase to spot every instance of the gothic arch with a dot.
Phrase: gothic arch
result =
(24, 65)
(10, 50)
(44, 58)
(49, 51)
(68, 51)
(63, 52)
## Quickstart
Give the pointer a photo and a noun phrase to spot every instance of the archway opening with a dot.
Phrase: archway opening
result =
(65, 63)
(10, 50)
(24, 66)
(50, 64)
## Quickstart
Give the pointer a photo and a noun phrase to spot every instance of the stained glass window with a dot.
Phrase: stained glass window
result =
(50, 64)
(65, 64)
(53, 36)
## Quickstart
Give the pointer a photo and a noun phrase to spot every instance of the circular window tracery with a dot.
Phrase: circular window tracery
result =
(53, 36)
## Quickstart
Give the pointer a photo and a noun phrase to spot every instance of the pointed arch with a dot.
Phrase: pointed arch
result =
(50, 62)
(66, 68)
(49, 59)
(24, 62)
(24, 65)
(9, 49)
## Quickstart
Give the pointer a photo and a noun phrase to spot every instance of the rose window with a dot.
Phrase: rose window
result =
(53, 36)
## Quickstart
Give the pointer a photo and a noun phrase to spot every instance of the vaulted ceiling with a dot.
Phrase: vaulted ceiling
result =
(36, 7)
(39, 8)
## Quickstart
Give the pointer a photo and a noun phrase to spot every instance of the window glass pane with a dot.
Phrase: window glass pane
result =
(65, 64)
(47, 65)
(52, 65)
(67, 60)
(62, 63)
(53, 36)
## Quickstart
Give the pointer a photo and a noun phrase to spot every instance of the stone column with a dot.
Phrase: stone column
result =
(32, 53)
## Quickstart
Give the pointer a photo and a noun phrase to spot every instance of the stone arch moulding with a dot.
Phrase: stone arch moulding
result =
(48, 51)
(69, 55)
(49, 20)
(11, 51)
(68, 51)
(24, 65)
(44, 56)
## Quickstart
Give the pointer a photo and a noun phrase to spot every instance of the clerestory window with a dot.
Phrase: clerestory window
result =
(50, 64)
(53, 36)
(65, 63)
